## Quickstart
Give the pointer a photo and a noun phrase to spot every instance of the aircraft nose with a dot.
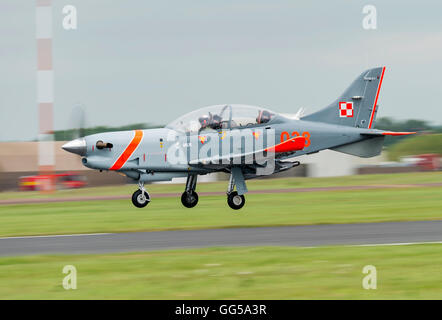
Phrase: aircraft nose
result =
(77, 146)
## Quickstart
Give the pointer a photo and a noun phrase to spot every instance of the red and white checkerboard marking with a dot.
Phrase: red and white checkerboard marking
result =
(346, 109)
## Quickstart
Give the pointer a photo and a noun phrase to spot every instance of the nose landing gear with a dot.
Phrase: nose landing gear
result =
(140, 198)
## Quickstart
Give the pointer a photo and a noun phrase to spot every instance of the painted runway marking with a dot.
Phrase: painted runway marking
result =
(394, 244)
(57, 236)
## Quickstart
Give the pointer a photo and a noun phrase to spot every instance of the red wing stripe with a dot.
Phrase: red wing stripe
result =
(376, 100)
(128, 151)
(397, 133)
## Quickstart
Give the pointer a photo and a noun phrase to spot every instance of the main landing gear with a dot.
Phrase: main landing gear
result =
(140, 198)
(189, 198)
(234, 200)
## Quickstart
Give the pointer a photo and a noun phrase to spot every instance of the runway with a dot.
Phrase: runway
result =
(315, 235)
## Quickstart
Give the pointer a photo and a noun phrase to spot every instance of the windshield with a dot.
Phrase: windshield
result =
(219, 117)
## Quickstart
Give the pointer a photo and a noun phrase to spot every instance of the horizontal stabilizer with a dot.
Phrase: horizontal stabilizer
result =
(367, 148)
(387, 133)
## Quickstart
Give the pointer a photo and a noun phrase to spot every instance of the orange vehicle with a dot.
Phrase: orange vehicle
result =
(67, 180)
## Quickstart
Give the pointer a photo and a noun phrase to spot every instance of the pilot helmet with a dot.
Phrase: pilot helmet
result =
(204, 121)
(216, 121)
(263, 116)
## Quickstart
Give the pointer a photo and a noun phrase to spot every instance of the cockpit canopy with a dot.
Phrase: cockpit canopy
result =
(222, 117)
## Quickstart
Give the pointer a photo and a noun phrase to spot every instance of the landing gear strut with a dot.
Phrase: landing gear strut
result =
(140, 198)
(234, 200)
(189, 198)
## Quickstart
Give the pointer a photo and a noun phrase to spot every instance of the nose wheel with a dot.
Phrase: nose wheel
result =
(140, 198)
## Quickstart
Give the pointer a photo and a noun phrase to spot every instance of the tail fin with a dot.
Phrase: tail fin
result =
(357, 106)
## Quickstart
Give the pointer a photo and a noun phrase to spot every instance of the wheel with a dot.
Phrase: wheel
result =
(189, 200)
(139, 201)
(235, 200)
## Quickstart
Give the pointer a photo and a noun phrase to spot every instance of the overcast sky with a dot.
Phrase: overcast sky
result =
(152, 61)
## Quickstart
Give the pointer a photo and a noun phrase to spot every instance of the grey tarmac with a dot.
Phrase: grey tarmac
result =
(306, 236)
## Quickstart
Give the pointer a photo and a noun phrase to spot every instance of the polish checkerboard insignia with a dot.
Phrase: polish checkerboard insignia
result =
(346, 109)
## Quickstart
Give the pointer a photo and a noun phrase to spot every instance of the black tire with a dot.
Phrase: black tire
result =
(189, 200)
(137, 201)
(235, 200)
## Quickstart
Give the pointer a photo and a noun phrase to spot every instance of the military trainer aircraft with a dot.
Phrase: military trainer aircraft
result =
(243, 141)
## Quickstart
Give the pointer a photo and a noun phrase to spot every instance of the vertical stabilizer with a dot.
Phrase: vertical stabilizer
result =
(357, 106)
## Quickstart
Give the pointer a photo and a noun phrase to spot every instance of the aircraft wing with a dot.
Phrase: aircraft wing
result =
(290, 145)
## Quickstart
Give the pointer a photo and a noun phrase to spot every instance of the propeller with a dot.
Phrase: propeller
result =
(77, 121)
(76, 125)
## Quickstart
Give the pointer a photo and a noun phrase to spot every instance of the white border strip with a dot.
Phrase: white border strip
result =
(394, 244)
(57, 236)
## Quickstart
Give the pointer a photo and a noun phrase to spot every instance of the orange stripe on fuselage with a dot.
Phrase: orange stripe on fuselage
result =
(128, 151)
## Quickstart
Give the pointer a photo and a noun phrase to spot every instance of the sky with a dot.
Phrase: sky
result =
(151, 61)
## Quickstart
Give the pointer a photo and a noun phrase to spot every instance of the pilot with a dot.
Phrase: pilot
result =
(204, 121)
(263, 116)
(215, 123)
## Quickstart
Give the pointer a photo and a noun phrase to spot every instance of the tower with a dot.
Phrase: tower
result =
(45, 92)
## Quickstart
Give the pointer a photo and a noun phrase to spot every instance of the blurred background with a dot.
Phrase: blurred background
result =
(70, 68)
(141, 64)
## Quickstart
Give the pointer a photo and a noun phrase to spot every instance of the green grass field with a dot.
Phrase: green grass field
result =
(374, 205)
(403, 272)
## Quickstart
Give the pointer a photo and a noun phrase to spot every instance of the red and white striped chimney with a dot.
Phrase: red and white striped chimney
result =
(45, 89)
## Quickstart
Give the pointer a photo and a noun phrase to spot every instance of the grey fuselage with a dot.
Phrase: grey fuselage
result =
(165, 153)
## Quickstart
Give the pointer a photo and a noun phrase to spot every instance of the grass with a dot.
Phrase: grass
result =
(356, 206)
(403, 272)
(284, 183)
